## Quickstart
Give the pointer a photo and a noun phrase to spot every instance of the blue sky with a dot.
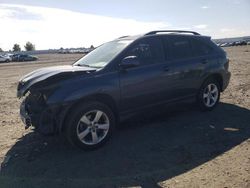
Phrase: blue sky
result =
(55, 24)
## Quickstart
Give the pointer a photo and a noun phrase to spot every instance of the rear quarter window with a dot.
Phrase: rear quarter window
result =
(177, 47)
(201, 48)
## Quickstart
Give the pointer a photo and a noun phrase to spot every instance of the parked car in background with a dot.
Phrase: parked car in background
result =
(15, 57)
(8, 55)
(240, 43)
(86, 100)
(224, 45)
(26, 57)
(5, 58)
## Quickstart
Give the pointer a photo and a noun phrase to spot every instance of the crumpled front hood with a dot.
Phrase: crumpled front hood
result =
(45, 73)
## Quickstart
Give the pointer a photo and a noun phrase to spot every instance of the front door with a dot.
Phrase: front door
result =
(142, 86)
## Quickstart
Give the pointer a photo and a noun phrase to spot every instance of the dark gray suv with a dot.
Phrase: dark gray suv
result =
(86, 100)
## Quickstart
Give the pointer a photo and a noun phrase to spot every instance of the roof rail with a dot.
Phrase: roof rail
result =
(171, 31)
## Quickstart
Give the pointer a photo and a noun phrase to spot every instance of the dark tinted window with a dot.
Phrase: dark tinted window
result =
(201, 48)
(179, 47)
(148, 51)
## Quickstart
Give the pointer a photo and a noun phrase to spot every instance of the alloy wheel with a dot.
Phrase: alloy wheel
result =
(93, 127)
(210, 95)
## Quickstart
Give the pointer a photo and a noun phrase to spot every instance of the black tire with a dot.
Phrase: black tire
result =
(202, 102)
(72, 124)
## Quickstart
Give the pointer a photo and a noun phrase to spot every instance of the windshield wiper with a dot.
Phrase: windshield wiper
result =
(83, 65)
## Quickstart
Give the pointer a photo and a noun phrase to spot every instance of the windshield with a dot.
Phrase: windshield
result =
(102, 55)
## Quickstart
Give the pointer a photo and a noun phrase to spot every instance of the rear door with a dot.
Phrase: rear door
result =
(184, 68)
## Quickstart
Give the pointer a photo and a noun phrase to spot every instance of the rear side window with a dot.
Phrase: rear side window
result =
(201, 48)
(179, 47)
(148, 51)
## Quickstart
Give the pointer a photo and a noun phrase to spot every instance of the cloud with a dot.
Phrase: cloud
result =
(201, 26)
(226, 30)
(19, 13)
(55, 28)
(237, 2)
(233, 32)
(205, 7)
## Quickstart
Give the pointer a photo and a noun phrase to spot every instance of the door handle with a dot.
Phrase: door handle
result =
(166, 69)
(204, 61)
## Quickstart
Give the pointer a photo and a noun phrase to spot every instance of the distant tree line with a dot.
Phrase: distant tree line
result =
(16, 47)
(29, 47)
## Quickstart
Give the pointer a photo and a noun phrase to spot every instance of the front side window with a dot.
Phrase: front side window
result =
(148, 51)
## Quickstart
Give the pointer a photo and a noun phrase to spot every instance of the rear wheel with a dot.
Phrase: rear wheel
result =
(90, 125)
(209, 94)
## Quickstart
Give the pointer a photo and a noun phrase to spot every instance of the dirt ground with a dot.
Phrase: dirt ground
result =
(179, 148)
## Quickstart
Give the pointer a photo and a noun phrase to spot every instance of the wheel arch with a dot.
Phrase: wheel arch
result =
(102, 98)
(218, 77)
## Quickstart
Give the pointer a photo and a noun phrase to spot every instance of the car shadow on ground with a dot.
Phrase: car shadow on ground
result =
(143, 152)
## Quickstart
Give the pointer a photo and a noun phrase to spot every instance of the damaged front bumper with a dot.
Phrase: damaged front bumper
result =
(45, 119)
(24, 115)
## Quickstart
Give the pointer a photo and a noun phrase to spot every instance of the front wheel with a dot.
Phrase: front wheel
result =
(90, 125)
(209, 95)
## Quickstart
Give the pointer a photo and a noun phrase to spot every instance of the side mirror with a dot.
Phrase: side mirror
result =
(130, 61)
